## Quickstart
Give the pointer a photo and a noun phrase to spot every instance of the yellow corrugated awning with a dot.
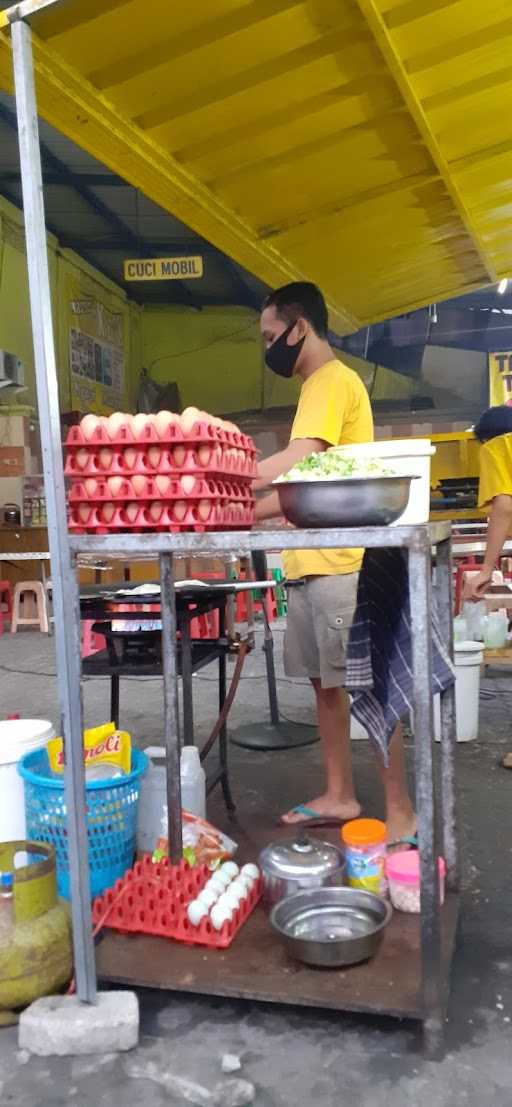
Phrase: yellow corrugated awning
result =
(363, 144)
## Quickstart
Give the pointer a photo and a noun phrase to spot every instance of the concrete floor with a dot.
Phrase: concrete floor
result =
(299, 1057)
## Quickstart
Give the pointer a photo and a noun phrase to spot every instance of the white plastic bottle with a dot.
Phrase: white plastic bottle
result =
(193, 782)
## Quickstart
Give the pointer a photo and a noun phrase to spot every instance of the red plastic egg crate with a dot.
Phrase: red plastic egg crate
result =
(149, 471)
(152, 898)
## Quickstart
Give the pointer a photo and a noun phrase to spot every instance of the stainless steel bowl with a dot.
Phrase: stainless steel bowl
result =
(352, 502)
(331, 927)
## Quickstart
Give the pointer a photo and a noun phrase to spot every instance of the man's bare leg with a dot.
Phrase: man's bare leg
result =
(338, 800)
(400, 814)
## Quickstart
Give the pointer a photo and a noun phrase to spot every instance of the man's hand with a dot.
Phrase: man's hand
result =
(475, 588)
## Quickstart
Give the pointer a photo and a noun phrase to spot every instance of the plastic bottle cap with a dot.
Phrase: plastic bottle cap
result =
(5, 881)
(404, 866)
(363, 832)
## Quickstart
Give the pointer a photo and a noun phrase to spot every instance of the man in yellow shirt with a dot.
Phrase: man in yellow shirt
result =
(494, 431)
(333, 409)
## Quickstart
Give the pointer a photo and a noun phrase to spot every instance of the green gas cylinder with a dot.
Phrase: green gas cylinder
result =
(35, 928)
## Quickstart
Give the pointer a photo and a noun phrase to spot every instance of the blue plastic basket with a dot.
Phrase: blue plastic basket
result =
(111, 818)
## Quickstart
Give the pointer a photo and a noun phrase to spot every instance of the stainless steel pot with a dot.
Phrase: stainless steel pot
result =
(304, 863)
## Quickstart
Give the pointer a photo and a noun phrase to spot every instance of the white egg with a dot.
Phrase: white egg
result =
(139, 484)
(105, 457)
(208, 896)
(250, 870)
(219, 915)
(154, 455)
(140, 424)
(241, 887)
(82, 457)
(230, 868)
(188, 484)
(231, 898)
(115, 422)
(163, 484)
(223, 876)
(196, 911)
(216, 885)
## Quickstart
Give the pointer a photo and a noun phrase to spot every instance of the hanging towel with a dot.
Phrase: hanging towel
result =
(379, 658)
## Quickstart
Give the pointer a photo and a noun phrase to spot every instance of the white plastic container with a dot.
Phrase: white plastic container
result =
(468, 661)
(153, 793)
(410, 456)
(193, 782)
(17, 737)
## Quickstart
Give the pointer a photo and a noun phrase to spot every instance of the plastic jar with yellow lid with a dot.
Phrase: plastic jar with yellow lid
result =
(365, 854)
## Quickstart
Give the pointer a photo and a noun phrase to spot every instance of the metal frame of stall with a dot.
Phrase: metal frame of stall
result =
(64, 552)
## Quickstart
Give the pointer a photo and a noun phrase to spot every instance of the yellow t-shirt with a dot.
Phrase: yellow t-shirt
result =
(334, 406)
(495, 469)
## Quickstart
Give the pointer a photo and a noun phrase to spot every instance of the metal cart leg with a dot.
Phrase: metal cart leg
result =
(223, 734)
(431, 983)
(114, 698)
(65, 590)
(444, 589)
(171, 715)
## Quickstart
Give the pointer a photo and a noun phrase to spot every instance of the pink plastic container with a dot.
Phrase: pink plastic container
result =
(403, 873)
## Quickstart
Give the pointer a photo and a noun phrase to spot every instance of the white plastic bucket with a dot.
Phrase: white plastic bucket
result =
(17, 737)
(468, 661)
(410, 456)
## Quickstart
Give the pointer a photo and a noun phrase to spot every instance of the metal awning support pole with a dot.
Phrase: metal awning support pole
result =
(65, 588)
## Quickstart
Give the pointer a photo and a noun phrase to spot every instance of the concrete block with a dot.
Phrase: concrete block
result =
(63, 1026)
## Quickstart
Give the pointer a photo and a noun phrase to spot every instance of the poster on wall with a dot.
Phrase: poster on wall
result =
(500, 378)
(96, 356)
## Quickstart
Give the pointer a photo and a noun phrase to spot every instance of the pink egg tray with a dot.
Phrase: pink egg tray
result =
(159, 516)
(152, 898)
(200, 432)
(147, 461)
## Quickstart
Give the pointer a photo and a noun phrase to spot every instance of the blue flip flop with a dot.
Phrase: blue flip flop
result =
(309, 813)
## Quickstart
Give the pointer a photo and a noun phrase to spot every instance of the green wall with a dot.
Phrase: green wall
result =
(214, 355)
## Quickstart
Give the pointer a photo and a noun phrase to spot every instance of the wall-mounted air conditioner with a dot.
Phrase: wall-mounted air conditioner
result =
(12, 372)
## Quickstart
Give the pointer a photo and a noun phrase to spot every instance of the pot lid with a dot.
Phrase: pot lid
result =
(302, 856)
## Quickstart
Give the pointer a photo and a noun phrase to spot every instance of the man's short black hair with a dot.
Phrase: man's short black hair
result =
(494, 422)
(300, 298)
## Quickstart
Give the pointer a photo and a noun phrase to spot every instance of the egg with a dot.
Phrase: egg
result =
(91, 486)
(164, 420)
(230, 868)
(179, 510)
(129, 457)
(208, 896)
(115, 422)
(251, 871)
(84, 510)
(155, 510)
(204, 454)
(139, 484)
(154, 456)
(188, 484)
(242, 885)
(204, 509)
(140, 424)
(232, 898)
(105, 457)
(196, 911)
(107, 512)
(223, 877)
(115, 485)
(179, 454)
(132, 510)
(189, 418)
(216, 884)
(219, 915)
(82, 457)
(88, 425)
(163, 484)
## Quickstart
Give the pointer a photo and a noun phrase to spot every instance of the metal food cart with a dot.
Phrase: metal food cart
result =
(410, 976)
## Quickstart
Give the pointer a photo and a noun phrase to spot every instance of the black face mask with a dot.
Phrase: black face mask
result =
(282, 358)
